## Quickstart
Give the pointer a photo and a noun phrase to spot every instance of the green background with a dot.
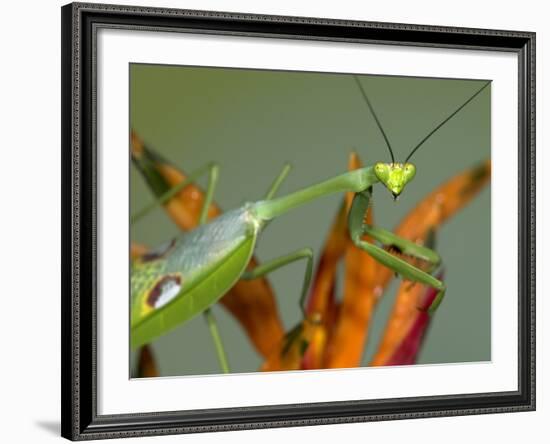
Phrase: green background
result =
(251, 122)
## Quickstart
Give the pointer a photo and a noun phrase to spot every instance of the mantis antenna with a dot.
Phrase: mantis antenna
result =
(363, 92)
(446, 120)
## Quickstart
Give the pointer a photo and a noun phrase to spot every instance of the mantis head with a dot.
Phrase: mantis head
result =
(395, 175)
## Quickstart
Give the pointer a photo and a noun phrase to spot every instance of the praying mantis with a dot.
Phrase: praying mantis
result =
(186, 276)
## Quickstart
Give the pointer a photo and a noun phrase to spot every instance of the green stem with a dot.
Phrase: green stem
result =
(220, 351)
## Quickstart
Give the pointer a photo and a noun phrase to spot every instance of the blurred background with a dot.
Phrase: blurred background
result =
(251, 122)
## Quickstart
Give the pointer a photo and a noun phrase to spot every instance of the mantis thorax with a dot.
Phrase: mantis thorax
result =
(395, 175)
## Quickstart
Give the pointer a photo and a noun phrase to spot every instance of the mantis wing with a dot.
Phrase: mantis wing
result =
(192, 300)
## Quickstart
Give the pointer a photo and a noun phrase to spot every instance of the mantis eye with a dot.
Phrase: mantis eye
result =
(381, 171)
(409, 171)
(381, 168)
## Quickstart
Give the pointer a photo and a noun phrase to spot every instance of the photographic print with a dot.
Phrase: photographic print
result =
(275, 221)
(294, 220)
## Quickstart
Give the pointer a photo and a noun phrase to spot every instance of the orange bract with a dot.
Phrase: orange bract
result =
(290, 351)
(344, 338)
(360, 296)
(321, 301)
(147, 367)
(428, 215)
(444, 202)
(137, 250)
(400, 321)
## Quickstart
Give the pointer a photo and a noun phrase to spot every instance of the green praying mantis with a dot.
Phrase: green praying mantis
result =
(186, 276)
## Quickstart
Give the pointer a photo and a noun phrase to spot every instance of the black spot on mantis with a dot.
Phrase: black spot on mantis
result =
(166, 289)
(394, 249)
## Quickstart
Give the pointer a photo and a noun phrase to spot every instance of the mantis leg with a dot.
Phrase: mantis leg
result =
(408, 271)
(209, 316)
(274, 264)
(277, 182)
(211, 168)
(404, 246)
(213, 173)
(220, 350)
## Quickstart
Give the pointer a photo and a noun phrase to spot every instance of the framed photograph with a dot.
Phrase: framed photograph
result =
(277, 221)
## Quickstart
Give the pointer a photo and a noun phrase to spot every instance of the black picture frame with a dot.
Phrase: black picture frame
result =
(79, 209)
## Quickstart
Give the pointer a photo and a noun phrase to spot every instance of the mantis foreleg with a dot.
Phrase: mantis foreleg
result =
(403, 246)
(358, 228)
